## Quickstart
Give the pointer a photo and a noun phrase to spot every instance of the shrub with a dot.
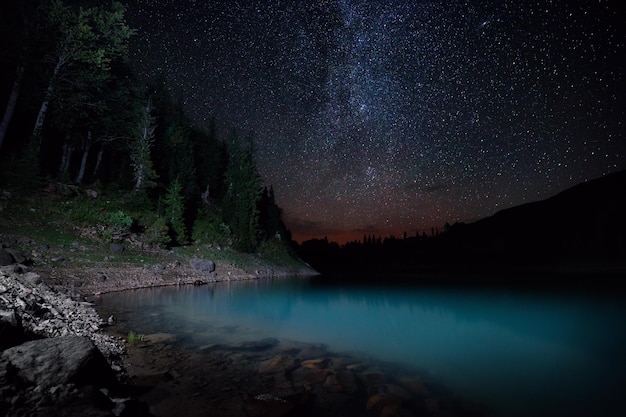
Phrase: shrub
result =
(209, 228)
(84, 210)
(275, 250)
(118, 224)
(156, 233)
(174, 204)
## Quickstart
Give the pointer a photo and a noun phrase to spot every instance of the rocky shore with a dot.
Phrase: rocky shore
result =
(54, 358)
(58, 357)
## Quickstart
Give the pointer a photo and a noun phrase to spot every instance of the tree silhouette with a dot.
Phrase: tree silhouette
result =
(240, 204)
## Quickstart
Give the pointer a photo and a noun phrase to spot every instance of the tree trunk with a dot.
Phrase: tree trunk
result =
(83, 162)
(41, 117)
(8, 111)
(139, 176)
(66, 156)
(98, 160)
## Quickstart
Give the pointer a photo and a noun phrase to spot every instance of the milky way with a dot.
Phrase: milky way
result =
(384, 117)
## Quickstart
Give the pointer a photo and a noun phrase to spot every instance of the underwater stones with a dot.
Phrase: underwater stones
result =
(341, 381)
(278, 364)
(309, 376)
(258, 345)
(162, 338)
(267, 405)
(319, 363)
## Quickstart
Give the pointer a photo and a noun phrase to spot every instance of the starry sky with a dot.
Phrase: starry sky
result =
(384, 117)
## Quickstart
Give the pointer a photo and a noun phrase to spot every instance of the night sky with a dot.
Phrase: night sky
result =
(384, 117)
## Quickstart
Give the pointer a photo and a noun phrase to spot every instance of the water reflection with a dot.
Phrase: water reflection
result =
(523, 353)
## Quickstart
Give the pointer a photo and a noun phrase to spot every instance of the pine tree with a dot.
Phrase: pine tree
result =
(174, 204)
(141, 146)
(240, 205)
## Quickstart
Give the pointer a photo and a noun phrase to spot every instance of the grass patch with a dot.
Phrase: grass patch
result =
(134, 338)
(69, 231)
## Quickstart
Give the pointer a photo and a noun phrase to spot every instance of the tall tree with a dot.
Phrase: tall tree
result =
(271, 217)
(144, 174)
(174, 204)
(17, 22)
(10, 107)
(240, 204)
(88, 40)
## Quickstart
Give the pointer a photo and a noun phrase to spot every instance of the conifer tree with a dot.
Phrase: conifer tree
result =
(141, 146)
(174, 203)
(240, 204)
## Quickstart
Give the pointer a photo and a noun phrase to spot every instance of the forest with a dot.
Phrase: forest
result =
(76, 120)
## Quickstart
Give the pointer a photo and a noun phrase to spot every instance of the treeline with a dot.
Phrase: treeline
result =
(75, 113)
(581, 229)
(376, 255)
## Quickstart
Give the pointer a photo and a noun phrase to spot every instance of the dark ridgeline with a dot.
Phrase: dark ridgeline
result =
(581, 230)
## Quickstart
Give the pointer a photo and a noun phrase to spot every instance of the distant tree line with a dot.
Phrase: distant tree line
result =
(74, 112)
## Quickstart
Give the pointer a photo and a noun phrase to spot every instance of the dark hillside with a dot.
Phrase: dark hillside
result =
(582, 229)
(587, 221)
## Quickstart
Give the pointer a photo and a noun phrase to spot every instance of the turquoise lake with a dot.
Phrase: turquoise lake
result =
(522, 353)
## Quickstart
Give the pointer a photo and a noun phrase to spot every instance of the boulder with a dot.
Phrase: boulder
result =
(342, 381)
(258, 345)
(116, 247)
(202, 265)
(278, 364)
(11, 330)
(59, 361)
(5, 257)
(18, 257)
(31, 278)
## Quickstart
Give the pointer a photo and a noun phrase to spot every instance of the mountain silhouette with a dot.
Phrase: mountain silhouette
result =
(587, 221)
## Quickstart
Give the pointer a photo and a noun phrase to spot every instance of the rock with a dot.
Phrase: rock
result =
(163, 338)
(31, 278)
(319, 363)
(202, 265)
(158, 267)
(18, 257)
(390, 390)
(341, 381)
(20, 269)
(258, 345)
(116, 247)
(415, 385)
(5, 257)
(59, 361)
(278, 364)
(11, 330)
(267, 405)
(308, 377)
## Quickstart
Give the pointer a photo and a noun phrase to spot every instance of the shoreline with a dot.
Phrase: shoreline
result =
(88, 282)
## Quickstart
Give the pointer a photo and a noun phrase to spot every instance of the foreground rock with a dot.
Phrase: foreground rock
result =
(61, 376)
(54, 361)
(30, 309)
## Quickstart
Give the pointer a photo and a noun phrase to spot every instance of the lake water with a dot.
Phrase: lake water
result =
(520, 352)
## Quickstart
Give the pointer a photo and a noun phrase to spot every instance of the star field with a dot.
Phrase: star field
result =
(384, 117)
